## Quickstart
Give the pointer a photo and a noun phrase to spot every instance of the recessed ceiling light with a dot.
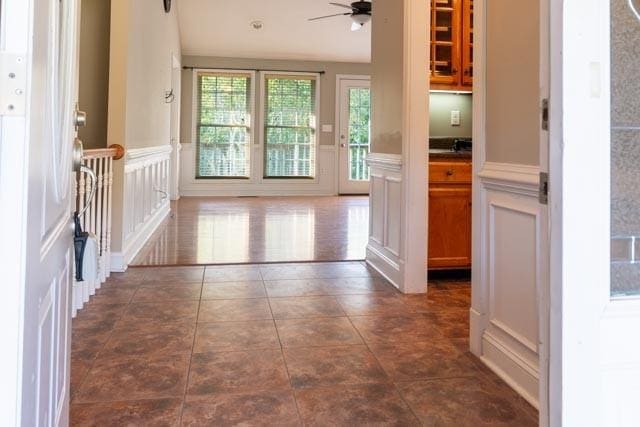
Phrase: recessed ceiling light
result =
(257, 25)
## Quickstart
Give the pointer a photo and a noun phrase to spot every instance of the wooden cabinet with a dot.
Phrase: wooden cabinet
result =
(449, 214)
(451, 66)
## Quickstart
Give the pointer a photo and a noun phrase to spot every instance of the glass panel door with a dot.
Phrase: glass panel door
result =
(355, 136)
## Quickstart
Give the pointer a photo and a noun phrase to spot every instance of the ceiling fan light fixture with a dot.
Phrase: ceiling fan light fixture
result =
(361, 18)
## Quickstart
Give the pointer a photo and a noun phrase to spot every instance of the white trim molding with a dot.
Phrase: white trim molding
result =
(509, 281)
(146, 199)
(385, 213)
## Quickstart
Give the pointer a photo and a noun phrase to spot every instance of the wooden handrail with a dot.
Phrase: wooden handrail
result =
(116, 151)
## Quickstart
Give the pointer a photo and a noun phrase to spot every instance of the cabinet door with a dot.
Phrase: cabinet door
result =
(445, 42)
(449, 226)
(467, 42)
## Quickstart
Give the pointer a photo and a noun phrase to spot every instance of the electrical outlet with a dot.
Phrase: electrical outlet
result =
(455, 118)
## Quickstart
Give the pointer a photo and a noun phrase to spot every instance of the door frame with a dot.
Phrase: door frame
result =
(176, 103)
(15, 37)
(338, 122)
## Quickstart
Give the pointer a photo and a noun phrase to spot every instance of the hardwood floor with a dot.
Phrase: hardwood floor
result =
(329, 344)
(228, 230)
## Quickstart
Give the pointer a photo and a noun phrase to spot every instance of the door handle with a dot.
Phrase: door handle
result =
(80, 119)
(343, 145)
(92, 193)
(76, 155)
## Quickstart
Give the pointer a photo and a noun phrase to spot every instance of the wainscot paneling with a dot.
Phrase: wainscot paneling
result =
(146, 199)
(505, 315)
(324, 184)
(385, 231)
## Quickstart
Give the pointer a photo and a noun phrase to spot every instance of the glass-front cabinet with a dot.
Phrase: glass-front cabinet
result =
(451, 45)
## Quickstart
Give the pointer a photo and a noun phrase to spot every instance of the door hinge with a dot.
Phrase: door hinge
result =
(545, 114)
(13, 80)
(543, 190)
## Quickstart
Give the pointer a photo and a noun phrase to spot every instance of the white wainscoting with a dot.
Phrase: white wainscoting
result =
(324, 184)
(146, 199)
(505, 314)
(385, 223)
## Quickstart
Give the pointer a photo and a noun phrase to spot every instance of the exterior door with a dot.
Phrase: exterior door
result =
(355, 132)
(43, 35)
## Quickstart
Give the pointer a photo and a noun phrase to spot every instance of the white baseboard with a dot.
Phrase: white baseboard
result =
(477, 325)
(388, 268)
(118, 264)
(514, 370)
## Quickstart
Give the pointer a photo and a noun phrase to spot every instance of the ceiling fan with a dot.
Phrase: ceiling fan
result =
(360, 13)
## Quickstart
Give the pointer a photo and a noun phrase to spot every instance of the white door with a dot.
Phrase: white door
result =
(355, 131)
(44, 35)
(176, 78)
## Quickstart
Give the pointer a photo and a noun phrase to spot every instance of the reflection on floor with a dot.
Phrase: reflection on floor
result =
(304, 344)
(227, 230)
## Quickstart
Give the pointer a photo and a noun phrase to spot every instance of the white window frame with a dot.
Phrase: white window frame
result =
(252, 125)
(263, 108)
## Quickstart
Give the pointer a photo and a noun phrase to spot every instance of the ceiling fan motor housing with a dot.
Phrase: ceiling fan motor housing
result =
(361, 7)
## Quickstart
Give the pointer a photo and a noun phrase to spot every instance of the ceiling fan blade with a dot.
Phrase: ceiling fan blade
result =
(342, 5)
(355, 26)
(328, 16)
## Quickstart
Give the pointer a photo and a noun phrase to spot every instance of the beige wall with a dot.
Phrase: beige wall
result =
(512, 87)
(154, 36)
(440, 107)
(387, 77)
(143, 38)
(94, 71)
(327, 85)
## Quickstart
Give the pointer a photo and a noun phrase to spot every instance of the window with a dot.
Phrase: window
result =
(359, 133)
(223, 125)
(290, 126)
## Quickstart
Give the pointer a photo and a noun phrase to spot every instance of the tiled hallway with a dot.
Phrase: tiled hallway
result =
(278, 345)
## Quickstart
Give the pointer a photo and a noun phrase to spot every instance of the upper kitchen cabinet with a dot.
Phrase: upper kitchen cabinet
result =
(467, 42)
(451, 65)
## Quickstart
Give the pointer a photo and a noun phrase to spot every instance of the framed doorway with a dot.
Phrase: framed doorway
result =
(353, 108)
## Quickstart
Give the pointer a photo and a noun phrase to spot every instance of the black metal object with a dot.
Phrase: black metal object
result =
(80, 244)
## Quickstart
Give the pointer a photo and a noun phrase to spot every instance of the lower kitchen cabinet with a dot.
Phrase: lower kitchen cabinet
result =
(449, 214)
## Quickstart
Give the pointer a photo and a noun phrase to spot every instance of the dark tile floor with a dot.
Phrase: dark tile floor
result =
(276, 345)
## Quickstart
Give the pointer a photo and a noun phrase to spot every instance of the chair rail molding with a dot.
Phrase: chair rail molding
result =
(507, 285)
(146, 199)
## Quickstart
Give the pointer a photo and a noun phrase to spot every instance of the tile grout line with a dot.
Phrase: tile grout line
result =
(383, 369)
(284, 359)
(193, 344)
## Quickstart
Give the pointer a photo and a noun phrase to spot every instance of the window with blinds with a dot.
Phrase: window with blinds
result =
(290, 126)
(223, 125)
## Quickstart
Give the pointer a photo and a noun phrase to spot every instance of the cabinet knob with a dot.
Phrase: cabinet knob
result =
(449, 172)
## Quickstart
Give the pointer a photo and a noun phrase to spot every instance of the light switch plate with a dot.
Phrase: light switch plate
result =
(327, 128)
(455, 118)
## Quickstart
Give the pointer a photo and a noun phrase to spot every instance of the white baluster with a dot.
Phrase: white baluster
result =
(109, 203)
(100, 220)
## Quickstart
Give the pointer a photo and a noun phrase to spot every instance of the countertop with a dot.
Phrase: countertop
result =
(438, 153)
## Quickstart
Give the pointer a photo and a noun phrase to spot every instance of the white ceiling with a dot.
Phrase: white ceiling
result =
(223, 28)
